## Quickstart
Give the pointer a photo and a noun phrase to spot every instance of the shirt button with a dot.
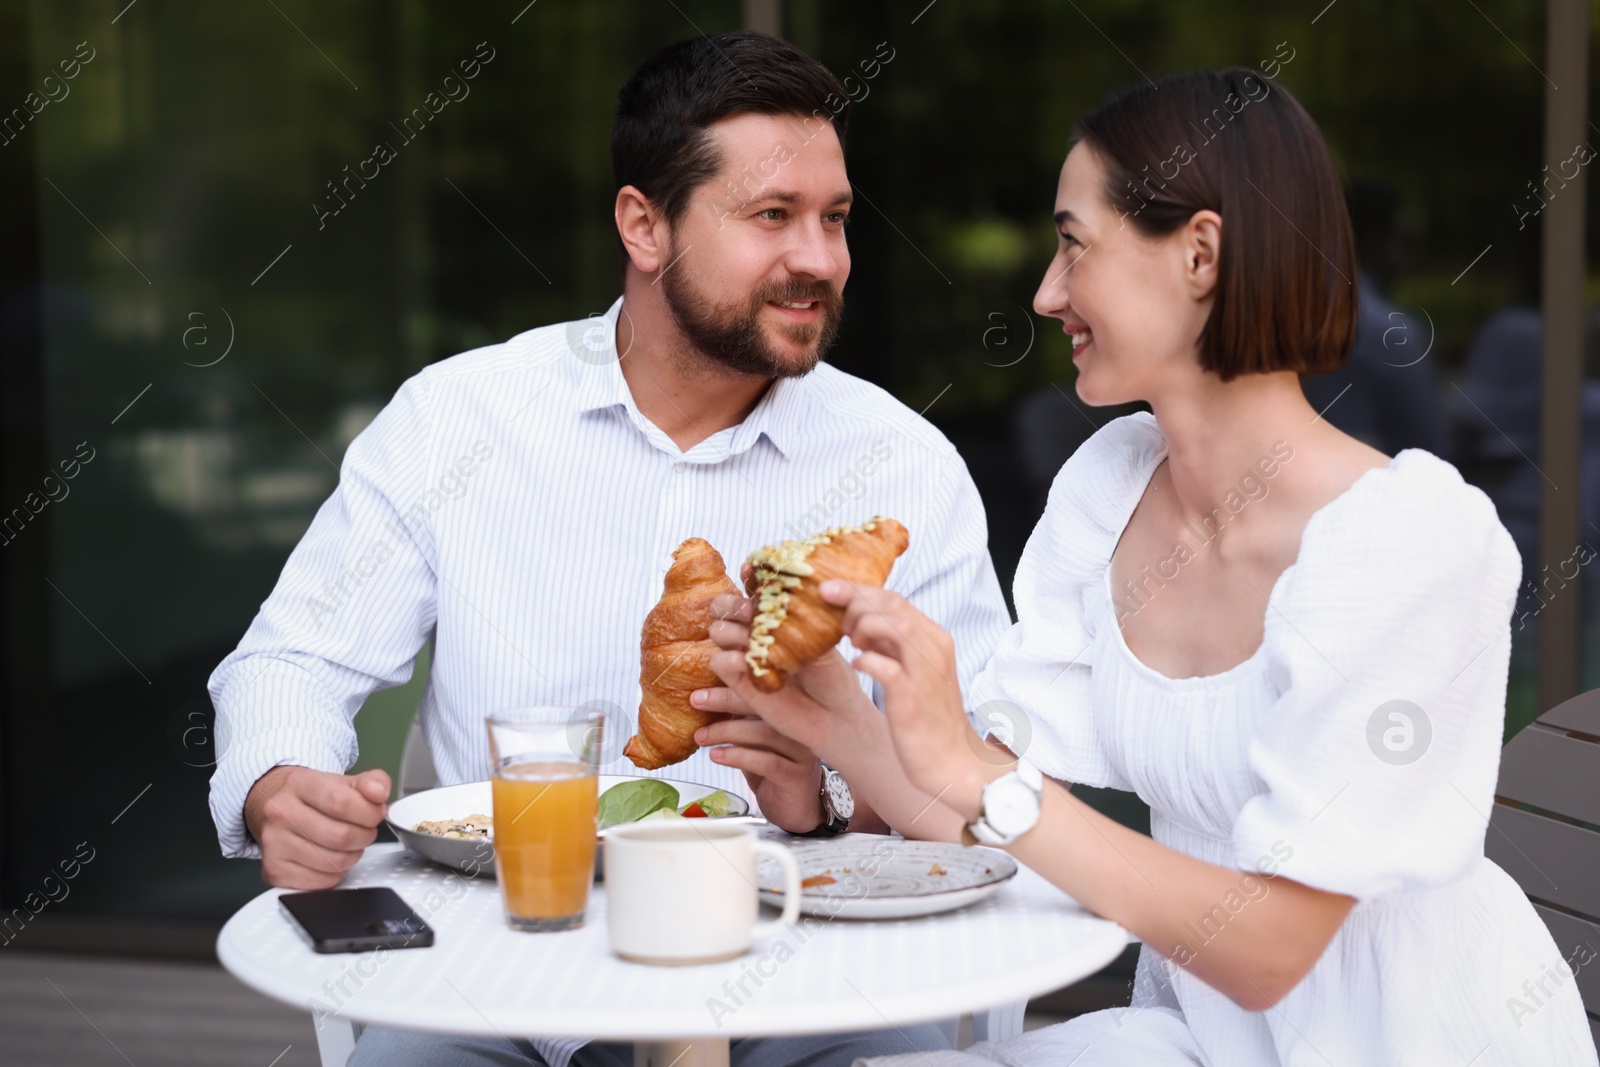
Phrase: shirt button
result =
(679, 468)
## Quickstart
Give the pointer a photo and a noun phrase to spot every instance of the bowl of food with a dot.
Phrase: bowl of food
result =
(454, 825)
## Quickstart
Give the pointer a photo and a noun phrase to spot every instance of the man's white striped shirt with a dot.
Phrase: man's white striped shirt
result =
(514, 506)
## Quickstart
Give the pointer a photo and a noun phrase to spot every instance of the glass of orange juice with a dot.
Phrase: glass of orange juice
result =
(546, 800)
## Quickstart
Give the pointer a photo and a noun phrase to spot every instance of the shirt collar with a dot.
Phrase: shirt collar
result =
(777, 415)
(594, 341)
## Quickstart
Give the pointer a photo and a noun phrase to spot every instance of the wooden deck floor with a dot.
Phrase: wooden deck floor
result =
(85, 1011)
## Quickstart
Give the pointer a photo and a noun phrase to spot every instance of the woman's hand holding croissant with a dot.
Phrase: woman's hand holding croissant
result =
(915, 662)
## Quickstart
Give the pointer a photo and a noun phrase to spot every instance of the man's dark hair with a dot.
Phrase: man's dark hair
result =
(659, 141)
(1285, 296)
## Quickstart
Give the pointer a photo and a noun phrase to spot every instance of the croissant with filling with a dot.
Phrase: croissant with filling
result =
(675, 650)
(793, 626)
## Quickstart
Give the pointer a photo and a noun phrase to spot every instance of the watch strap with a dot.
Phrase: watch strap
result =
(830, 826)
(981, 832)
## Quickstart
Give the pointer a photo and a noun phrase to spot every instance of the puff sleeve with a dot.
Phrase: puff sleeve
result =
(1389, 642)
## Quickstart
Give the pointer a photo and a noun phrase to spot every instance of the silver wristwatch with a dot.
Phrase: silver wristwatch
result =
(1011, 805)
(838, 805)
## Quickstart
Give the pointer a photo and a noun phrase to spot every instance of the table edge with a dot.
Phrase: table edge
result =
(1105, 940)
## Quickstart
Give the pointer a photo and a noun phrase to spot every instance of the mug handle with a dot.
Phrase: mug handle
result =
(791, 891)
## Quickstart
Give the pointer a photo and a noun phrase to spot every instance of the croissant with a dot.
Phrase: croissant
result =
(675, 651)
(793, 626)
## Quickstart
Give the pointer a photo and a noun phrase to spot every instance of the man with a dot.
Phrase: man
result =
(519, 504)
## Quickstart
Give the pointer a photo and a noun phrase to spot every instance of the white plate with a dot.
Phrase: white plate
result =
(477, 798)
(889, 878)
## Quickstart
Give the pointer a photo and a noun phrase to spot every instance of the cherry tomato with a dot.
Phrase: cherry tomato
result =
(694, 811)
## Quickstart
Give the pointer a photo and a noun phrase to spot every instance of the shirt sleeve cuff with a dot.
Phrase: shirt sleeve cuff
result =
(239, 770)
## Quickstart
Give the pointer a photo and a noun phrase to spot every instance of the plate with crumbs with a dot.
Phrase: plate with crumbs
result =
(872, 877)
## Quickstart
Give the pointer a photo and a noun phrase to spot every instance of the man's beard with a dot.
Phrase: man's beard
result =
(735, 338)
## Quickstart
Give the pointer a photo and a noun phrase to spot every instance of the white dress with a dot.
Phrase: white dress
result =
(1402, 591)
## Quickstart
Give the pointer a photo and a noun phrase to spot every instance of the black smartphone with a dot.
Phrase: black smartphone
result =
(356, 920)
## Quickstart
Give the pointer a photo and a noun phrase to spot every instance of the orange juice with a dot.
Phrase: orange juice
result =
(545, 820)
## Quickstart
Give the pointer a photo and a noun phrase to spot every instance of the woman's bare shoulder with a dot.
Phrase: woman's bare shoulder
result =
(1336, 463)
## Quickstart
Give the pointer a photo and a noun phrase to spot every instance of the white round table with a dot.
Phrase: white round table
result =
(822, 976)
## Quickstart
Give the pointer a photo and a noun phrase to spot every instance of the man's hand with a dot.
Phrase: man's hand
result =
(773, 737)
(313, 825)
(822, 709)
(819, 706)
(784, 775)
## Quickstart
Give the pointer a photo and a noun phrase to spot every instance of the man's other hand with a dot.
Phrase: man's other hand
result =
(313, 825)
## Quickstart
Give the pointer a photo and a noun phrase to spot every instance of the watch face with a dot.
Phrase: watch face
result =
(1010, 807)
(840, 799)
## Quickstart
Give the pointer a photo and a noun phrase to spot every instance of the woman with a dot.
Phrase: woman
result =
(1292, 646)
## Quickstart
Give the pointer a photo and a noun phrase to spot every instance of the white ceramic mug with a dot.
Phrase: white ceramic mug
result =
(680, 892)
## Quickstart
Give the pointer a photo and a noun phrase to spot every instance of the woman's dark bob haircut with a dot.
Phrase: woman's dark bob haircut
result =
(1235, 142)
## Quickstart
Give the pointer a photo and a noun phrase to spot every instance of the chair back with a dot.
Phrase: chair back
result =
(416, 762)
(1545, 832)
